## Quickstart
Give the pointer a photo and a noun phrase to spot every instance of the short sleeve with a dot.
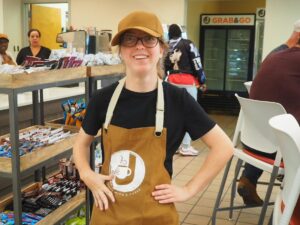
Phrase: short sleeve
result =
(94, 118)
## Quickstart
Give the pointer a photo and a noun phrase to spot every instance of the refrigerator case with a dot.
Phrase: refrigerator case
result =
(226, 46)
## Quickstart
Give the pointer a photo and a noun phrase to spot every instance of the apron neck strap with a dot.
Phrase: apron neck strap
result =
(160, 106)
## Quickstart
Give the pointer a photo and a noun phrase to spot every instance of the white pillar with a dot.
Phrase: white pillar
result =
(1, 16)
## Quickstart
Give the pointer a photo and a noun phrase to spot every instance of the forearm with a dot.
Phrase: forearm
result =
(213, 164)
(81, 154)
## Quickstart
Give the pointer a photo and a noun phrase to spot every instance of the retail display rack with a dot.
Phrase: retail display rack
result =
(12, 85)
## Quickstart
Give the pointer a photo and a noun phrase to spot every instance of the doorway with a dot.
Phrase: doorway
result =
(49, 19)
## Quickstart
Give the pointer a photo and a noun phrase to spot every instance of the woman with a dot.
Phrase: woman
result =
(143, 121)
(34, 49)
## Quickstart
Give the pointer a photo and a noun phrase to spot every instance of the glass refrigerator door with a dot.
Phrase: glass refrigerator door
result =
(237, 59)
(214, 58)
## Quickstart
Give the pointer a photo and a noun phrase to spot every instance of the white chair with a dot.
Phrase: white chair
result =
(248, 85)
(287, 132)
(254, 131)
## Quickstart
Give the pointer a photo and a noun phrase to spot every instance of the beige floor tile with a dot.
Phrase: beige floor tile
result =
(184, 177)
(209, 195)
(202, 210)
(183, 207)
(225, 215)
(193, 200)
(239, 223)
(182, 216)
(224, 222)
(248, 218)
(213, 188)
(197, 219)
(178, 182)
(206, 202)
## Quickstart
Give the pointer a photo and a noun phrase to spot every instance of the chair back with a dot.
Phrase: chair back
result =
(248, 85)
(287, 133)
(255, 130)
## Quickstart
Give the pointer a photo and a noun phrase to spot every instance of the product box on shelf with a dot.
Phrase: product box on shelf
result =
(50, 201)
(6, 200)
(41, 154)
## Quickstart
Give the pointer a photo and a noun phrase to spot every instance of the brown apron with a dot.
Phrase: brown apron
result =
(136, 158)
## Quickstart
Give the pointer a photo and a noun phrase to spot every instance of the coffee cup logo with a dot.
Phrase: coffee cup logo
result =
(122, 172)
(129, 170)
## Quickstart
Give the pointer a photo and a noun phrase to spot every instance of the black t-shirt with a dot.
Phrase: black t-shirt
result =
(133, 110)
(44, 53)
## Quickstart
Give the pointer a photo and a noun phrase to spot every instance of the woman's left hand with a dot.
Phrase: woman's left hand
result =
(168, 193)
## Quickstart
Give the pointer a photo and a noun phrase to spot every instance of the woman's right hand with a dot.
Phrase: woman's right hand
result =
(101, 193)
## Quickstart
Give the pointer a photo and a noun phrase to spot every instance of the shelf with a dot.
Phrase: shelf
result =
(40, 155)
(101, 71)
(64, 211)
(40, 80)
(59, 214)
(4, 201)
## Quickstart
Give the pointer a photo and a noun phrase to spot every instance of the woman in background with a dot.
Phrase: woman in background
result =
(34, 49)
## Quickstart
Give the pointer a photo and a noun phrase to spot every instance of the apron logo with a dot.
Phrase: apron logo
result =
(129, 170)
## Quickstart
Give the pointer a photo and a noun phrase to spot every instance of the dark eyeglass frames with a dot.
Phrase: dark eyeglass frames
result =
(131, 41)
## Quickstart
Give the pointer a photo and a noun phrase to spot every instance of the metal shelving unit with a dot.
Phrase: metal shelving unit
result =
(12, 85)
(107, 75)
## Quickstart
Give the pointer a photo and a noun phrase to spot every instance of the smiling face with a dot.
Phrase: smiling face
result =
(34, 39)
(3, 45)
(140, 60)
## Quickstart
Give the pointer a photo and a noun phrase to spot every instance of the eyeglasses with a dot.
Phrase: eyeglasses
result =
(131, 41)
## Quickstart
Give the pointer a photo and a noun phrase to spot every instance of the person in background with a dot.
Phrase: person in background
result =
(184, 69)
(292, 41)
(34, 49)
(5, 57)
(143, 121)
(278, 80)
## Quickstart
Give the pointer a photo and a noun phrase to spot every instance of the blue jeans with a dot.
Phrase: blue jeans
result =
(192, 90)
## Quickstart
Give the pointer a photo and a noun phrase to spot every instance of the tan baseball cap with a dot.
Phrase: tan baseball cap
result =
(139, 20)
(4, 36)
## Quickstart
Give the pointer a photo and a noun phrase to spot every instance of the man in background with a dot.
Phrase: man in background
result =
(184, 69)
(278, 80)
(292, 41)
(5, 57)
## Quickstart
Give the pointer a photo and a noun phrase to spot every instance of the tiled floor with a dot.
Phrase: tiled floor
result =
(198, 210)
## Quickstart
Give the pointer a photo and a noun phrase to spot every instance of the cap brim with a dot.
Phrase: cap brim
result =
(4, 38)
(116, 39)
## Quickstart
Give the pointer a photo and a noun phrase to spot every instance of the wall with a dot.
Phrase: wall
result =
(1, 16)
(12, 25)
(105, 14)
(197, 7)
(280, 17)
